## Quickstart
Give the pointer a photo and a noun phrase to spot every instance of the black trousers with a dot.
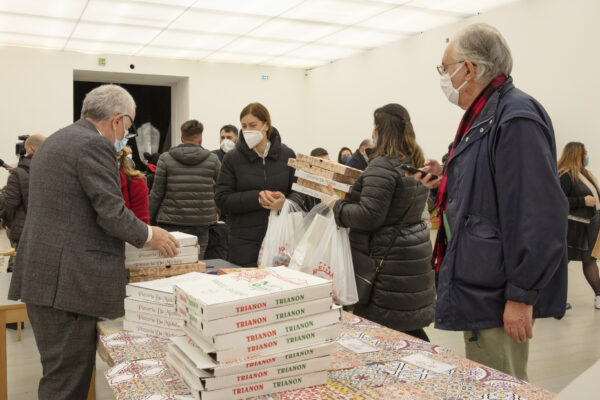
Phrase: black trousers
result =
(419, 333)
(67, 345)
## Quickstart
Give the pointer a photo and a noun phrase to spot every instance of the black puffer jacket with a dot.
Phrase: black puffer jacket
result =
(243, 175)
(15, 196)
(183, 189)
(382, 202)
(576, 191)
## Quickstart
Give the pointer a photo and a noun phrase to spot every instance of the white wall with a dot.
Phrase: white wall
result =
(36, 92)
(556, 59)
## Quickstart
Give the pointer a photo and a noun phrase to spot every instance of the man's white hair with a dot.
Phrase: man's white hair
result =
(485, 47)
(105, 101)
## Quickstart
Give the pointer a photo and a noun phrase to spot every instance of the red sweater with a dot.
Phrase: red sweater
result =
(136, 198)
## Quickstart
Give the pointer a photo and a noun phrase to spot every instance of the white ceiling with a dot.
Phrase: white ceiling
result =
(289, 33)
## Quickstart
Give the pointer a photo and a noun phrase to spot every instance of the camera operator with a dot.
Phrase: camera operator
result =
(14, 195)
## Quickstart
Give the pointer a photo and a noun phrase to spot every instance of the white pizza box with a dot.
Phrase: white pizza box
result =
(201, 364)
(267, 346)
(155, 320)
(262, 334)
(275, 372)
(184, 239)
(254, 319)
(151, 329)
(161, 290)
(245, 391)
(162, 262)
(161, 310)
(323, 181)
(251, 290)
(311, 192)
(153, 254)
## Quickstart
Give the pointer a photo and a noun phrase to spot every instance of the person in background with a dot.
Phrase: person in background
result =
(581, 189)
(360, 158)
(254, 180)
(310, 201)
(344, 155)
(70, 268)
(15, 195)
(182, 197)
(387, 231)
(133, 187)
(320, 152)
(152, 160)
(228, 137)
(501, 253)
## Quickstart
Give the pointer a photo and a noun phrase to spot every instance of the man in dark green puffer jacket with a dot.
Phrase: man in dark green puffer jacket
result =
(182, 197)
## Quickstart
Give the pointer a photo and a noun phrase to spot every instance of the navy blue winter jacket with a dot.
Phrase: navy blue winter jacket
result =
(507, 216)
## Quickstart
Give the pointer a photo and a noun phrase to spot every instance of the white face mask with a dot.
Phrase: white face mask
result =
(252, 138)
(227, 145)
(450, 91)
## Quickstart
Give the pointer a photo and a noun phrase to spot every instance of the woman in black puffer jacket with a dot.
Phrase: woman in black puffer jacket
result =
(254, 179)
(385, 214)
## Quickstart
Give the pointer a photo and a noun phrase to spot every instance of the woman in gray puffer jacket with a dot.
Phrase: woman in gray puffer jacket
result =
(388, 234)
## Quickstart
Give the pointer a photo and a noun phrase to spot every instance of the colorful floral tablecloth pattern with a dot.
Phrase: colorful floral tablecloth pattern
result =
(367, 376)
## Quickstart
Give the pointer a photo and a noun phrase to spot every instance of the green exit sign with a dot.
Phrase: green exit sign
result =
(102, 62)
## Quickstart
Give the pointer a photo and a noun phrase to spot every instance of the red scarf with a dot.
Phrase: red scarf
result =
(441, 241)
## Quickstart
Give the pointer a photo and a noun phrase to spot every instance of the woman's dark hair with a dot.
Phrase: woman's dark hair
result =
(396, 137)
(260, 112)
(340, 154)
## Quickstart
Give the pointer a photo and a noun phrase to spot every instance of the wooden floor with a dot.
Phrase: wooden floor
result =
(560, 351)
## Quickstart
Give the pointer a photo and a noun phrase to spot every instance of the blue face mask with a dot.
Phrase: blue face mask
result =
(587, 161)
(345, 159)
(120, 144)
(374, 142)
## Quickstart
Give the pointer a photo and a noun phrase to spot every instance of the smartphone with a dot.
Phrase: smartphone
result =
(414, 170)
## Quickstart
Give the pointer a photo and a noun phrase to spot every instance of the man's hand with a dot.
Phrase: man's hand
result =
(518, 321)
(164, 242)
(332, 199)
(432, 167)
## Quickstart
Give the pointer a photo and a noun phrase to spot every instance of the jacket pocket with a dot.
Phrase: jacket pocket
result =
(479, 256)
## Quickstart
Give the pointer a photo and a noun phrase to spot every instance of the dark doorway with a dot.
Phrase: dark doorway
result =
(153, 105)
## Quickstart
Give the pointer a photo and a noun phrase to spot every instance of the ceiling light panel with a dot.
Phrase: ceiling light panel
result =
(321, 52)
(408, 20)
(293, 62)
(128, 12)
(154, 51)
(258, 46)
(294, 30)
(191, 40)
(69, 9)
(114, 33)
(214, 22)
(36, 25)
(104, 47)
(255, 7)
(18, 39)
(236, 58)
(342, 12)
(460, 6)
(364, 38)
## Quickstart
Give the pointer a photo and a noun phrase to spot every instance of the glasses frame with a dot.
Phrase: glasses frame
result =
(443, 69)
(132, 128)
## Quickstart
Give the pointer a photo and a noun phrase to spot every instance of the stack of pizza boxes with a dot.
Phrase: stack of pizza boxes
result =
(150, 307)
(315, 174)
(148, 264)
(254, 332)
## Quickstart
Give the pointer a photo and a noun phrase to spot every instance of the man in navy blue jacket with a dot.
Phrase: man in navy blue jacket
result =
(501, 252)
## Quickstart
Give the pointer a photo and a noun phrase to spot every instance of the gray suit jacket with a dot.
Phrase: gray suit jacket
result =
(71, 254)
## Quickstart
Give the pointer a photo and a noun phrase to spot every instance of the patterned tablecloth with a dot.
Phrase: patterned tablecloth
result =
(140, 374)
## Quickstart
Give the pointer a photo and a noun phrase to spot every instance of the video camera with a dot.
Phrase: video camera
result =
(20, 146)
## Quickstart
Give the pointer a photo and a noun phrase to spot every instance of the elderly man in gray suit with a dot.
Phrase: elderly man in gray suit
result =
(70, 264)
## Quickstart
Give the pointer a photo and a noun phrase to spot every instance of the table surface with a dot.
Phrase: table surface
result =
(4, 285)
(140, 370)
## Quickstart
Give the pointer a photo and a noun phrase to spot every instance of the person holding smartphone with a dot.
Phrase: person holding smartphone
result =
(389, 237)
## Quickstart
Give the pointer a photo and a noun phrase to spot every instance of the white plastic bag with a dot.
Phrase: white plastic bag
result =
(324, 251)
(281, 237)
